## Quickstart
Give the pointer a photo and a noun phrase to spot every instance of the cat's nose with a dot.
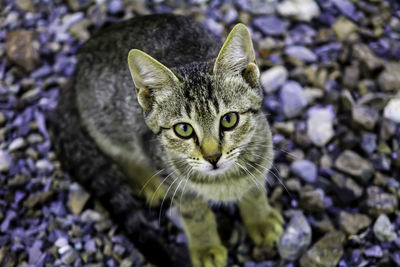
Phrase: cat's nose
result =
(213, 158)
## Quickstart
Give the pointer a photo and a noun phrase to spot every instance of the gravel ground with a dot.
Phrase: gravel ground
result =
(331, 76)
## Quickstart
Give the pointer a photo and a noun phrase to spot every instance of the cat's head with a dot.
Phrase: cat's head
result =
(207, 115)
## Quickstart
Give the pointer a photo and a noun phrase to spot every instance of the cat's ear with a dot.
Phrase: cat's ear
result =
(150, 77)
(236, 56)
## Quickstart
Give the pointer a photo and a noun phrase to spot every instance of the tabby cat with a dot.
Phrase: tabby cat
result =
(189, 127)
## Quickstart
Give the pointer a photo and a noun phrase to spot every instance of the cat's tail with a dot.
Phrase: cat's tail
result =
(81, 158)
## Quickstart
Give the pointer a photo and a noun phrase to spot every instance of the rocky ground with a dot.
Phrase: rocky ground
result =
(331, 76)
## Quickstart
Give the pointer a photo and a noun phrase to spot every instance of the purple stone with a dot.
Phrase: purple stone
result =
(11, 215)
(41, 72)
(57, 208)
(374, 251)
(90, 246)
(302, 53)
(19, 195)
(34, 253)
(302, 34)
(270, 25)
(41, 121)
(345, 6)
(305, 169)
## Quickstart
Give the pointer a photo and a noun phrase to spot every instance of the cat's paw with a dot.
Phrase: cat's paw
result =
(215, 256)
(266, 233)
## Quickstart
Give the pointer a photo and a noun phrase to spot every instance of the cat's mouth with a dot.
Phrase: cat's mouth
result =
(217, 169)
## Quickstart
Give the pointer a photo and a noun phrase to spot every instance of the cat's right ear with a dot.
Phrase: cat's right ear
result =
(149, 76)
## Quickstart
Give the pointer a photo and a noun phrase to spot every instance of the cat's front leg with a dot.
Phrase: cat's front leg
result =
(263, 223)
(200, 226)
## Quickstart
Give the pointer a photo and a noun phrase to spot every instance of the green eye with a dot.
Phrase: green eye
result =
(229, 121)
(183, 130)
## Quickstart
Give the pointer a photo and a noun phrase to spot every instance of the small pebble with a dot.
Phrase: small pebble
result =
(273, 78)
(5, 161)
(305, 169)
(383, 229)
(326, 252)
(293, 99)
(392, 110)
(296, 238)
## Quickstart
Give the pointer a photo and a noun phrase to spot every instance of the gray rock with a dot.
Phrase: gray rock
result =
(389, 79)
(343, 28)
(286, 128)
(383, 229)
(91, 216)
(296, 238)
(78, 4)
(365, 116)
(387, 129)
(126, 263)
(305, 169)
(44, 165)
(77, 198)
(364, 54)
(312, 199)
(347, 100)
(2, 118)
(21, 50)
(302, 53)
(302, 10)
(379, 202)
(273, 78)
(320, 125)
(376, 101)
(353, 223)
(351, 76)
(351, 163)
(17, 144)
(37, 199)
(326, 252)
(18, 180)
(69, 257)
(5, 161)
(270, 25)
(368, 142)
(35, 138)
(25, 5)
(392, 109)
(293, 99)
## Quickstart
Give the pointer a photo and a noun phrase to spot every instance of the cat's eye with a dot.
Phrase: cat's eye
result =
(229, 121)
(183, 130)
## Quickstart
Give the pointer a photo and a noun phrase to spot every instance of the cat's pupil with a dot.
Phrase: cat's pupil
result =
(227, 118)
(184, 127)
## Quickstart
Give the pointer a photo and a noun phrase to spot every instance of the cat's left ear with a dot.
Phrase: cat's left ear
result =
(152, 79)
(236, 56)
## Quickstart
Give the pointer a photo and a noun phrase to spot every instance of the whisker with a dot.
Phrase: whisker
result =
(173, 195)
(254, 179)
(154, 194)
(165, 196)
(154, 175)
(184, 186)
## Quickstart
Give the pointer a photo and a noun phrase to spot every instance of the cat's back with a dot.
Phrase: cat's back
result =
(173, 40)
